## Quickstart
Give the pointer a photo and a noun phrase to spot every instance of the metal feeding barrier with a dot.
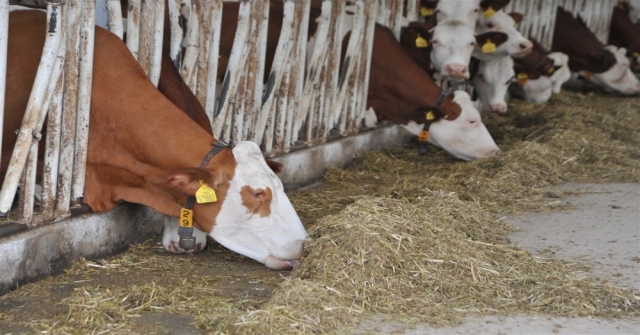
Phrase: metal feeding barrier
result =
(540, 17)
(315, 90)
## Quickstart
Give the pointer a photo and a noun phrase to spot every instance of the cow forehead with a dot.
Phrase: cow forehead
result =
(463, 99)
(453, 30)
(251, 168)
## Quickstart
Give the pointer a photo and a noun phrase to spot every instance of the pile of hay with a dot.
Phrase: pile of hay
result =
(418, 237)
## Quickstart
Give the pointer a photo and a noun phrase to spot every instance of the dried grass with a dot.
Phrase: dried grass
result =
(413, 236)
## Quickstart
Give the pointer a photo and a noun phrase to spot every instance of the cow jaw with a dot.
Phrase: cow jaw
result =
(256, 218)
(539, 90)
(466, 137)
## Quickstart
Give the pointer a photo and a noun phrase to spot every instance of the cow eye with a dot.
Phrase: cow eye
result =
(490, 25)
(472, 44)
(475, 10)
(257, 193)
(472, 121)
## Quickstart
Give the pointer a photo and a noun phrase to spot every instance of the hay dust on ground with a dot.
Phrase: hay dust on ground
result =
(417, 237)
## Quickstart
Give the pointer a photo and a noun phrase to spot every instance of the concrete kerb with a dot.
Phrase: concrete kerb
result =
(47, 250)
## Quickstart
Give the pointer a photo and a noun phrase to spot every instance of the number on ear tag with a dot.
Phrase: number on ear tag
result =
(426, 11)
(423, 136)
(186, 218)
(205, 194)
(421, 42)
(489, 13)
(488, 47)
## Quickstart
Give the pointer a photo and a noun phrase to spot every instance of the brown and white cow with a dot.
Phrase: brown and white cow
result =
(623, 33)
(589, 57)
(539, 73)
(143, 149)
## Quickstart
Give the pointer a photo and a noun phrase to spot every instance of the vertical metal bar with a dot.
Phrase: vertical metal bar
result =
(213, 59)
(226, 107)
(4, 41)
(84, 100)
(365, 65)
(70, 102)
(187, 71)
(412, 10)
(203, 55)
(115, 17)
(155, 52)
(52, 153)
(133, 27)
(255, 100)
(146, 24)
(266, 124)
(176, 31)
(34, 107)
(330, 110)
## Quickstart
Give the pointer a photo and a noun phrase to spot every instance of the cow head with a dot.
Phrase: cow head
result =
(462, 135)
(619, 77)
(252, 215)
(452, 44)
(491, 83)
(516, 45)
(562, 72)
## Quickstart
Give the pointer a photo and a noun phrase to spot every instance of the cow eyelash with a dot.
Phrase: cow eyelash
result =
(490, 25)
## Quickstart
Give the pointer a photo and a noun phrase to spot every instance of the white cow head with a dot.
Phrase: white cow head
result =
(464, 137)
(254, 216)
(452, 44)
(491, 83)
(458, 10)
(516, 44)
(619, 77)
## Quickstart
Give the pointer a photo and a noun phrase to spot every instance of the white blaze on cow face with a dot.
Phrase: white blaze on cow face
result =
(562, 74)
(466, 137)
(458, 10)
(619, 77)
(516, 44)
(256, 218)
(452, 44)
(491, 83)
(539, 90)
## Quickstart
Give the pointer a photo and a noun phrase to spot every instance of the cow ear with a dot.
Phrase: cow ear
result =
(188, 180)
(495, 37)
(495, 4)
(425, 114)
(275, 166)
(516, 17)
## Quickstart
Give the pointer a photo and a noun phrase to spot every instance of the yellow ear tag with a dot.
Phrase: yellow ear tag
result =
(551, 70)
(421, 42)
(205, 194)
(186, 218)
(588, 75)
(430, 116)
(635, 54)
(489, 13)
(522, 78)
(426, 11)
(488, 47)
(423, 136)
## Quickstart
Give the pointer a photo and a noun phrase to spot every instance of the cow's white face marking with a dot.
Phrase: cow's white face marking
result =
(466, 11)
(452, 44)
(466, 137)
(619, 77)
(562, 74)
(256, 218)
(516, 44)
(491, 83)
(171, 238)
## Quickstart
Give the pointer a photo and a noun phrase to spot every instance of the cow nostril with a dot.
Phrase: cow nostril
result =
(524, 46)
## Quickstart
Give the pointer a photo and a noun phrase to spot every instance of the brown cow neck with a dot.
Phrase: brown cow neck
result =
(398, 85)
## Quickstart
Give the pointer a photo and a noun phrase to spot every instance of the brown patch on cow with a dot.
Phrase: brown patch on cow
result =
(451, 109)
(257, 200)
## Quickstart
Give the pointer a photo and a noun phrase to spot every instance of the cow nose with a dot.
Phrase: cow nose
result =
(494, 153)
(525, 47)
(456, 70)
(500, 108)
